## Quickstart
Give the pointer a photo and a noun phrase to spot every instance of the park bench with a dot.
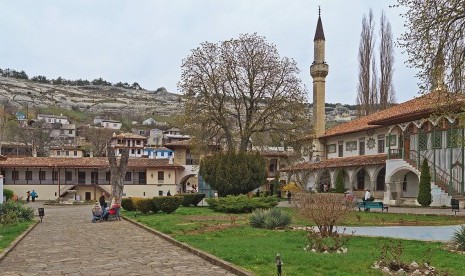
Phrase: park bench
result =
(367, 205)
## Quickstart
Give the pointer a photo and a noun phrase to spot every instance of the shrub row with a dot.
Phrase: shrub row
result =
(13, 212)
(241, 203)
(191, 199)
(166, 204)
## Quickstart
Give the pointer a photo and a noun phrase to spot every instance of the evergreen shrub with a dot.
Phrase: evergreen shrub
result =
(128, 204)
(8, 194)
(241, 203)
(340, 187)
(13, 212)
(191, 199)
(167, 204)
(424, 193)
(144, 205)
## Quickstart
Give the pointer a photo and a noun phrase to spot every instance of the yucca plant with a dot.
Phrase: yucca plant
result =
(276, 218)
(458, 239)
(257, 219)
(270, 219)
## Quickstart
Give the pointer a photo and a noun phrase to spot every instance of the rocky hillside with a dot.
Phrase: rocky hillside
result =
(90, 98)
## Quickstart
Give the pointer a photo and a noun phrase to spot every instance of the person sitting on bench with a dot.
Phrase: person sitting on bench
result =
(114, 207)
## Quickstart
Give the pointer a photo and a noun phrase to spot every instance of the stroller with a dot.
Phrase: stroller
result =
(97, 214)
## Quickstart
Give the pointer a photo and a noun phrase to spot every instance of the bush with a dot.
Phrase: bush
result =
(8, 194)
(458, 239)
(340, 187)
(191, 199)
(12, 212)
(424, 193)
(144, 205)
(270, 219)
(167, 204)
(241, 203)
(128, 204)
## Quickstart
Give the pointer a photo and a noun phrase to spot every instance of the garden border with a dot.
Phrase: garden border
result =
(204, 255)
(18, 239)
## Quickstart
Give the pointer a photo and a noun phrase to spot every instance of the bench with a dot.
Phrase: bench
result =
(367, 205)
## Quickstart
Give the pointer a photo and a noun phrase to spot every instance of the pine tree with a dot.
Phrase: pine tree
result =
(424, 194)
(340, 187)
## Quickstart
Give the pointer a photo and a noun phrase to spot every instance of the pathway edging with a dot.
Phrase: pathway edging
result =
(204, 255)
(17, 240)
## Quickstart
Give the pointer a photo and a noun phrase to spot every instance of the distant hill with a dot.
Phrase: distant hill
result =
(88, 98)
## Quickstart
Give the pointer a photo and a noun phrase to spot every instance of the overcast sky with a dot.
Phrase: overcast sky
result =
(146, 40)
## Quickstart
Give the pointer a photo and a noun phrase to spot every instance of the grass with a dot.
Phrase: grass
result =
(10, 232)
(255, 249)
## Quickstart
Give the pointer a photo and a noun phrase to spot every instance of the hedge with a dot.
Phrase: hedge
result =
(191, 199)
(241, 203)
(128, 204)
(145, 205)
(167, 204)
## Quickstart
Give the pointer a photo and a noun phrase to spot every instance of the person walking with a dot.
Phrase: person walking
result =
(28, 196)
(102, 202)
(33, 195)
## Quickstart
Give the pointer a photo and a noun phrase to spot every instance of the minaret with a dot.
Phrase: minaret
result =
(319, 71)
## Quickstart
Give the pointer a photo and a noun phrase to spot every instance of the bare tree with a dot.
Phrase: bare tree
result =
(118, 171)
(240, 88)
(366, 97)
(386, 64)
(433, 26)
(37, 135)
(98, 139)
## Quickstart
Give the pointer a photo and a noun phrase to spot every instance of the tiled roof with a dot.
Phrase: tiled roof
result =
(339, 163)
(351, 127)
(414, 109)
(83, 162)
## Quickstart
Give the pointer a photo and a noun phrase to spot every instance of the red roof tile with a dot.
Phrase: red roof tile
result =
(341, 162)
(83, 162)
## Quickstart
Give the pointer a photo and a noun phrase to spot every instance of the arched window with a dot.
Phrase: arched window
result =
(380, 184)
(361, 179)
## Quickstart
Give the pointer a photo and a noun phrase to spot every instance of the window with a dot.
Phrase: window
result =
(392, 140)
(361, 179)
(68, 176)
(75, 153)
(340, 146)
(437, 141)
(128, 176)
(15, 175)
(423, 140)
(114, 125)
(41, 175)
(28, 175)
(160, 193)
(70, 131)
(138, 151)
(108, 176)
(137, 142)
(361, 146)
(67, 153)
(54, 176)
(381, 146)
(452, 138)
(58, 152)
(161, 175)
(132, 151)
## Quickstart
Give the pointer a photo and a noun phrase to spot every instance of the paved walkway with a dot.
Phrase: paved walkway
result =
(68, 243)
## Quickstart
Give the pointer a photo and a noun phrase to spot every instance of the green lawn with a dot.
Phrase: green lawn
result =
(230, 238)
(10, 232)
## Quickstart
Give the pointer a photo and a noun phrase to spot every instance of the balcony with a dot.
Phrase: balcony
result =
(395, 154)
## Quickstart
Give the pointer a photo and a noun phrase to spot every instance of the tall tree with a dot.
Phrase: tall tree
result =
(367, 97)
(240, 88)
(98, 138)
(433, 26)
(386, 64)
(118, 167)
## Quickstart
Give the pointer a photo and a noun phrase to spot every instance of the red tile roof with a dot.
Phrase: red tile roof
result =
(83, 162)
(341, 162)
(414, 109)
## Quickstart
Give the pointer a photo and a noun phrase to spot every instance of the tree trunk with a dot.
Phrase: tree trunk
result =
(118, 172)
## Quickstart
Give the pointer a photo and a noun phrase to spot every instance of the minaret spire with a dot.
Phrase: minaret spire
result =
(319, 70)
